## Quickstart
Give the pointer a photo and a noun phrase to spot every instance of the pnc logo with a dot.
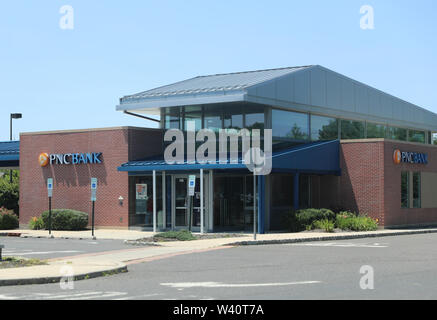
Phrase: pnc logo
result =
(409, 157)
(43, 159)
(397, 157)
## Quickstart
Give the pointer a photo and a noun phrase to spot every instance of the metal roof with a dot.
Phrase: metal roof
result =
(212, 83)
(9, 154)
(312, 89)
(9, 147)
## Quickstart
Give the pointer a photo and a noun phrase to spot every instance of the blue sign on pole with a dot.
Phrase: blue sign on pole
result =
(93, 189)
(50, 187)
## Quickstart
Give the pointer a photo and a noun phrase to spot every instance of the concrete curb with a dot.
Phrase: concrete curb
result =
(328, 238)
(10, 234)
(47, 280)
(67, 238)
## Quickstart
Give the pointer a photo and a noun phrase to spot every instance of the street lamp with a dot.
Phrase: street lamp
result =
(13, 116)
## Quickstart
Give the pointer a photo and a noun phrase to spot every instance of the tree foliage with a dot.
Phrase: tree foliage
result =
(9, 192)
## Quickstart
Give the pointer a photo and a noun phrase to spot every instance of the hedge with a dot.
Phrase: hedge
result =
(66, 219)
(306, 217)
(8, 221)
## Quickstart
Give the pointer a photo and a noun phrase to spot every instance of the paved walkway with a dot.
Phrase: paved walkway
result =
(97, 264)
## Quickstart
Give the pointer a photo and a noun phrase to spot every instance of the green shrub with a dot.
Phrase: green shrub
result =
(9, 192)
(290, 221)
(355, 223)
(182, 235)
(306, 217)
(8, 221)
(66, 219)
(36, 223)
(324, 224)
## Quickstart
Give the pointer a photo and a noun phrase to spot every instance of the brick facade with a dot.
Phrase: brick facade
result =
(370, 182)
(72, 182)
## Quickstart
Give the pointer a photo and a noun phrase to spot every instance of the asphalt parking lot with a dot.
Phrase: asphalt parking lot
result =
(403, 267)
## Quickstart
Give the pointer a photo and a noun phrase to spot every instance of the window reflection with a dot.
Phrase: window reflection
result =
(323, 128)
(376, 130)
(352, 129)
(416, 136)
(397, 133)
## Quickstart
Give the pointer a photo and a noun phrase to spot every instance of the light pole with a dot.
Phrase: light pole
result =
(13, 116)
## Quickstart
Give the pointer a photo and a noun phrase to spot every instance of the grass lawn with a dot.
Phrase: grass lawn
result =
(13, 262)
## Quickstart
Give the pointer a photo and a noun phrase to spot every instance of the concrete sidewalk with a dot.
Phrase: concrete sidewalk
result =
(101, 234)
(103, 263)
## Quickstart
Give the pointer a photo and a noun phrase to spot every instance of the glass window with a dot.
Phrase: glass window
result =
(233, 117)
(193, 113)
(376, 130)
(323, 128)
(143, 194)
(287, 125)
(434, 138)
(254, 117)
(213, 117)
(416, 190)
(397, 133)
(429, 137)
(405, 190)
(416, 136)
(281, 200)
(352, 129)
(172, 118)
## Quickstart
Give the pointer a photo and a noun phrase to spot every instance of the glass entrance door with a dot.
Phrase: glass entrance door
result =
(182, 203)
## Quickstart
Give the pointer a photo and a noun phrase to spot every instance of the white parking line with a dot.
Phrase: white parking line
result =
(101, 296)
(140, 296)
(342, 244)
(184, 285)
(74, 295)
(18, 253)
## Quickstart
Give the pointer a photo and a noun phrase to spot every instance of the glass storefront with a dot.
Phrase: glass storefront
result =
(233, 202)
(141, 215)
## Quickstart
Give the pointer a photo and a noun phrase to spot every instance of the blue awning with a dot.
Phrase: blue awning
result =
(316, 158)
(9, 154)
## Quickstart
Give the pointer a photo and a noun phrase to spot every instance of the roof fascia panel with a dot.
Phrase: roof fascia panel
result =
(183, 101)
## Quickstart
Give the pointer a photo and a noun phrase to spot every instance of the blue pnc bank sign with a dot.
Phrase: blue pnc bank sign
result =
(70, 158)
(410, 157)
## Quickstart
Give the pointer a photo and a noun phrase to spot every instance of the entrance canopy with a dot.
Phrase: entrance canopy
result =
(316, 158)
(9, 155)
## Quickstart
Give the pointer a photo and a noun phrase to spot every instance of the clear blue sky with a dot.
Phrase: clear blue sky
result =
(68, 79)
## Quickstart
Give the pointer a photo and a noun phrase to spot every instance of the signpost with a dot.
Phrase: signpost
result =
(191, 189)
(50, 194)
(93, 200)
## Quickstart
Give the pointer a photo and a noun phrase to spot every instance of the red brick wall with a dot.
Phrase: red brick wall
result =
(72, 182)
(371, 183)
(394, 215)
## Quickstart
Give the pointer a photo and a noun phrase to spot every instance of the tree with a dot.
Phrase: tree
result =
(9, 192)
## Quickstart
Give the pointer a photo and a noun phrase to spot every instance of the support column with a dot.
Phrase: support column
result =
(164, 207)
(154, 201)
(296, 191)
(201, 202)
(261, 204)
